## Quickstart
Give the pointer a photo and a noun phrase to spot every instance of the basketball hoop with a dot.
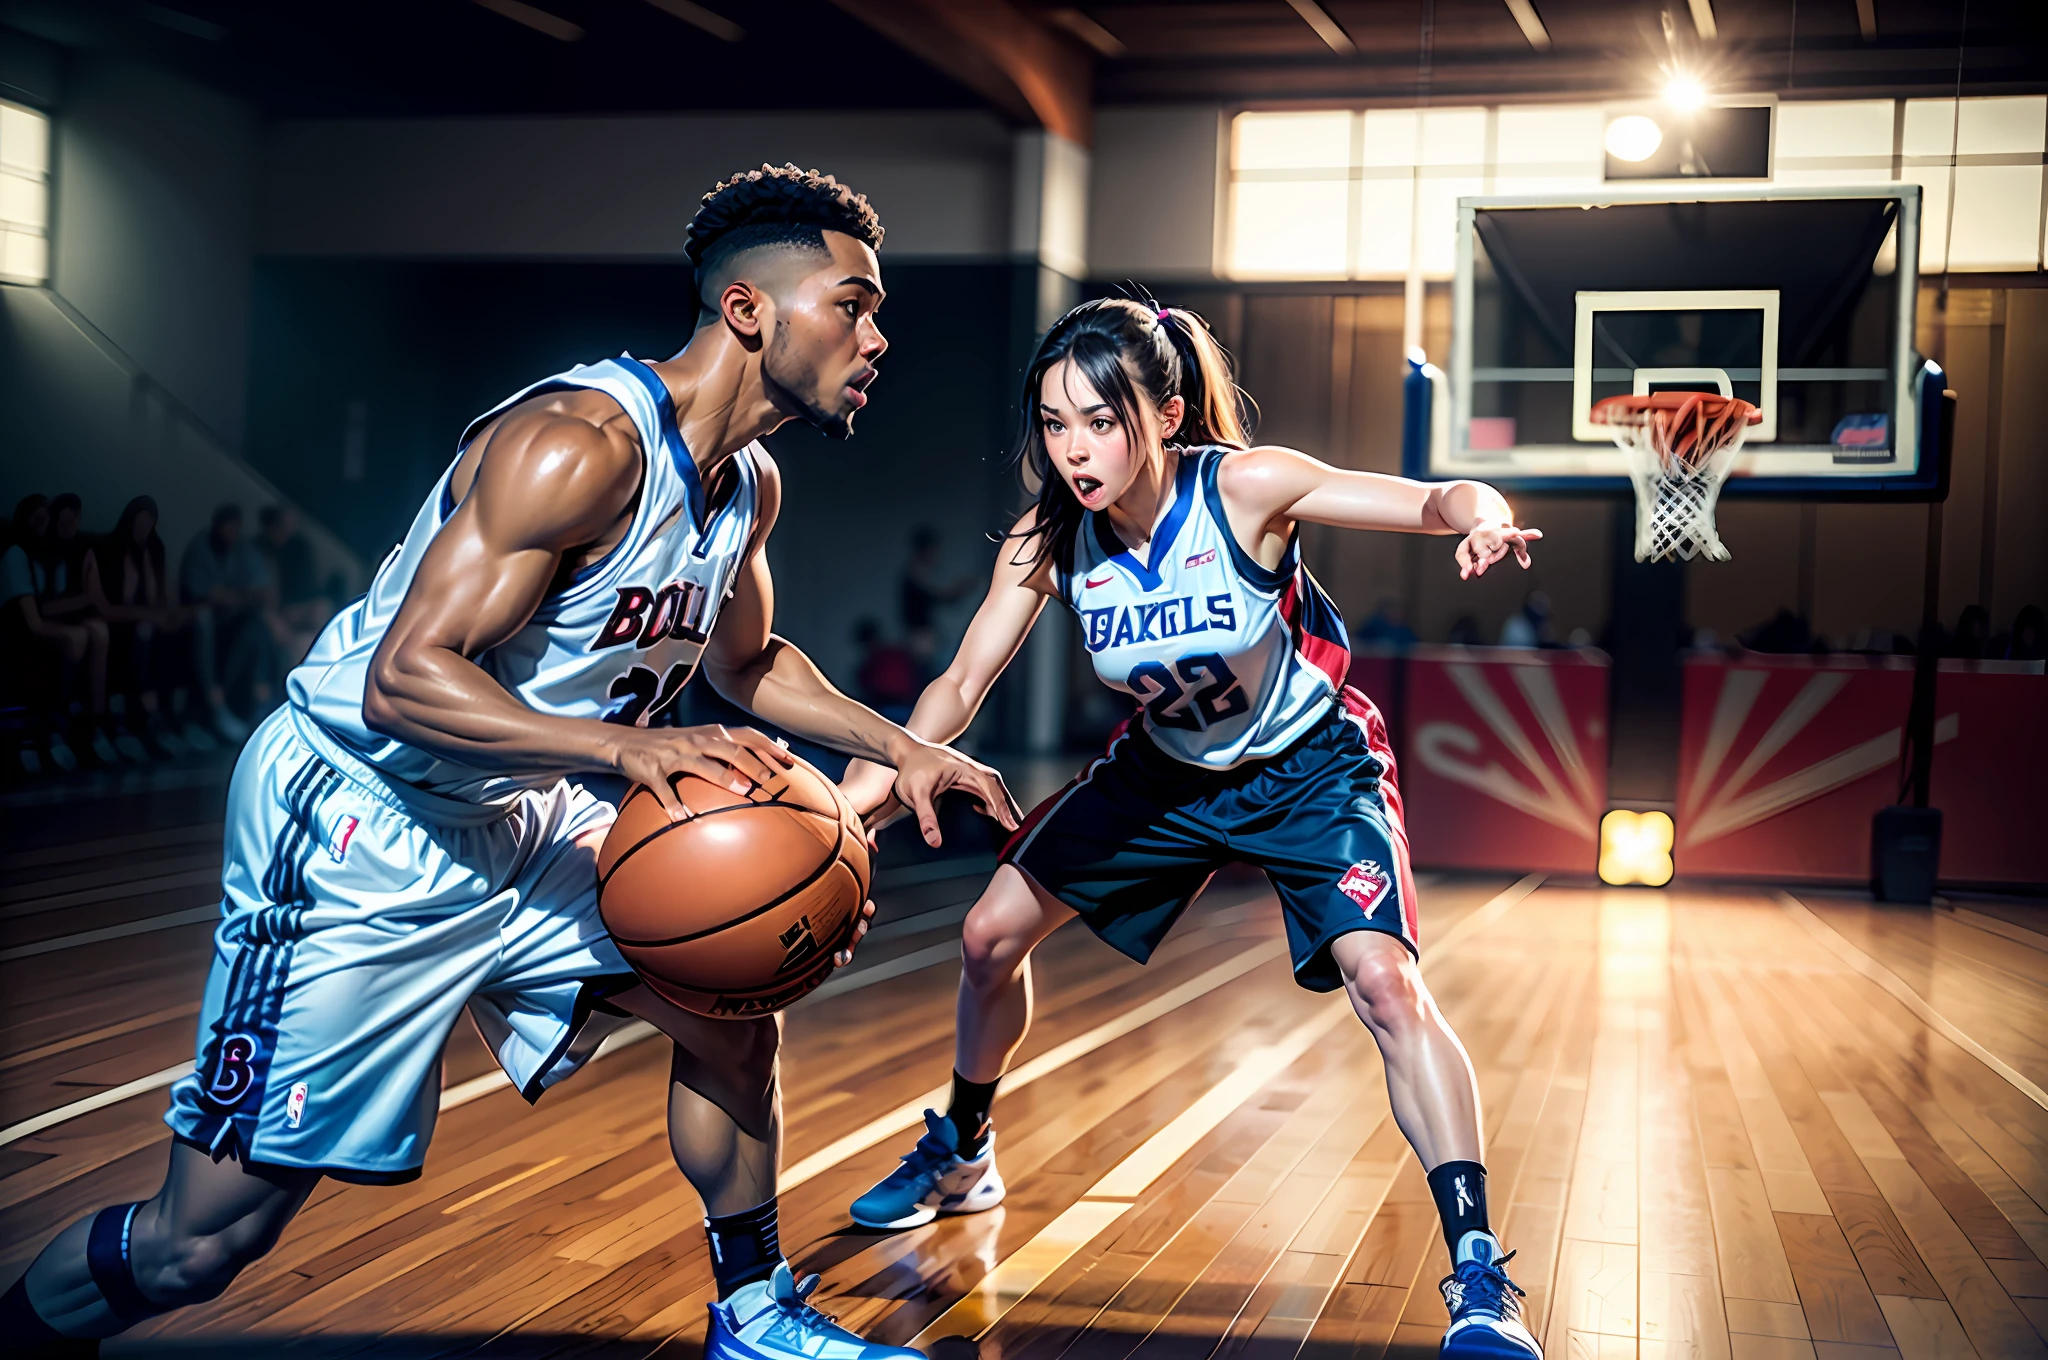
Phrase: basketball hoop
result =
(1680, 448)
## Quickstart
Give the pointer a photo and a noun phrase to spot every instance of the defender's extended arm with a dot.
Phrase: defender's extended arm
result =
(1270, 489)
(1016, 593)
(769, 677)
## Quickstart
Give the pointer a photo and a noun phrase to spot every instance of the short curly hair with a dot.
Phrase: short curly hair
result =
(777, 205)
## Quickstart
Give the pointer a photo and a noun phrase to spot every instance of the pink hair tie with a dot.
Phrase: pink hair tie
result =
(1162, 313)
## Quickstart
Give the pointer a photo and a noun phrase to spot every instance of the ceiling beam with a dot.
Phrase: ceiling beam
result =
(1703, 19)
(1530, 23)
(1032, 74)
(1318, 18)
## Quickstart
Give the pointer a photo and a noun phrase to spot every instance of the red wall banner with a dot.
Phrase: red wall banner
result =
(1504, 758)
(1783, 761)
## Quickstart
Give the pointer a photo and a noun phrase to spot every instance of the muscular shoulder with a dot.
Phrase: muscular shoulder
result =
(556, 472)
(1265, 477)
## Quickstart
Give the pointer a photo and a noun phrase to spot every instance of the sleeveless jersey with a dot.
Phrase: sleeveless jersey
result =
(616, 643)
(1229, 661)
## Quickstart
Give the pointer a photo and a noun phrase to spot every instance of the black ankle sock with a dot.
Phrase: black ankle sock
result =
(1459, 1189)
(20, 1320)
(969, 1112)
(745, 1247)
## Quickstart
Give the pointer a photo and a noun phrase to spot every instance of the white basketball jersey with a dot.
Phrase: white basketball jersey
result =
(1229, 660)
(616, 643)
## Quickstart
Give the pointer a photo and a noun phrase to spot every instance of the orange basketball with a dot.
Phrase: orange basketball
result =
(737, 909)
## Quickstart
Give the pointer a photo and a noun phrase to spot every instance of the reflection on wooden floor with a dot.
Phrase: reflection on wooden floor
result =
(1721, 1124)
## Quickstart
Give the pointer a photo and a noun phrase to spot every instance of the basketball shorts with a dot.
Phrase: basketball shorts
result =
(356, 928)
(1134, 839)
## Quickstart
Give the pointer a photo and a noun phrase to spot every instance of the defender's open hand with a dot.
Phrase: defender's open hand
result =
(1489, 542)
(925, 771)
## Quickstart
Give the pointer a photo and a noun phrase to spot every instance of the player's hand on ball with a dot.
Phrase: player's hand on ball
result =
(736, 758)
(1489, 542)
(860, 930)
(924, 771)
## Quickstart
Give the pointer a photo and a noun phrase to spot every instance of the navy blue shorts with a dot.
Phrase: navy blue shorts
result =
(1137, 835)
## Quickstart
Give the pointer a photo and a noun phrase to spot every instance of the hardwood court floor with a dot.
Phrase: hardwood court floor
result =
(1721, 1124)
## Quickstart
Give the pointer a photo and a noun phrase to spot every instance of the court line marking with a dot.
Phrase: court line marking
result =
(168, 921)
(462, 1093)
(1992, 925)
(965, 866)
(1902, 992)
(1116, 1192)
(94, 1036)
(85, 897)
(114, 1095)
(196, 833)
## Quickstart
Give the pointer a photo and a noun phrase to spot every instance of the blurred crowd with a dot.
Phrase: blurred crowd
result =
(111, 653)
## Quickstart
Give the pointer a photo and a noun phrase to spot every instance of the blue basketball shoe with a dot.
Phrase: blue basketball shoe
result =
(772, 1320)
(1486, 1306)
(934, 1179)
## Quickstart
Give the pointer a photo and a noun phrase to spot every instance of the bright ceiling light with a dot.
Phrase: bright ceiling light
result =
(1685, 94)
(1635, 847)
(1633, 137)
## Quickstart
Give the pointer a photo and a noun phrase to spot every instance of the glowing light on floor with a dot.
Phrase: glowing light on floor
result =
(1633, 137)
(1635, 847)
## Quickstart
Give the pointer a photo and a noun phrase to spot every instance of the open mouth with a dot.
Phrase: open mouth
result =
(1088, 489)
(857, 390)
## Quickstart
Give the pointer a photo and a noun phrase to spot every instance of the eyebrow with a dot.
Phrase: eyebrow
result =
(864, 281)
(1050, 409)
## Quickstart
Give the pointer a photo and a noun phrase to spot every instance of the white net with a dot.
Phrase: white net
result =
(1679, 455)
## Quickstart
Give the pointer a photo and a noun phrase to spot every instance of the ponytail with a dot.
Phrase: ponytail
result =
(1126, 350)
(1217, 408)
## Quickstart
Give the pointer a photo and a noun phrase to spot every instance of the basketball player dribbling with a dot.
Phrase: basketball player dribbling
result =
(406, 838)
(1177, 547)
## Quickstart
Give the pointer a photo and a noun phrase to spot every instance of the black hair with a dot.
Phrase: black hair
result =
(21, 532)
(118, 547)
(1120, 346)
(776, 205)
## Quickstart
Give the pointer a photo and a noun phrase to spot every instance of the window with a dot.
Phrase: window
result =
(24, 194)
(1362, 194)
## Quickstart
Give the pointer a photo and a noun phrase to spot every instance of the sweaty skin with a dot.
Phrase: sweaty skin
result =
(553, 483)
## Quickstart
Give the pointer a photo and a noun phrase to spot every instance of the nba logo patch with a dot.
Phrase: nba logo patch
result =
(1200, 559)
(295, 1105)
(1366, 884)
(343, 830)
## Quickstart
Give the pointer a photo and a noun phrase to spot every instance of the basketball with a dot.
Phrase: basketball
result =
(737, 909)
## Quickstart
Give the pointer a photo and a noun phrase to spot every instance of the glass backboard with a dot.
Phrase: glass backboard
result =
(1799, 300)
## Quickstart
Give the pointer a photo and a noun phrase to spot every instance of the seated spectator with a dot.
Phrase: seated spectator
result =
(1530, 626)
(2027, 641)
(48, 661)
(1385, 627)
(222, 577)
(1784, 633)
(886, 679)
(151, 635)
(1972, 636)
(1464, 632)
(70, 599)
(302, 609)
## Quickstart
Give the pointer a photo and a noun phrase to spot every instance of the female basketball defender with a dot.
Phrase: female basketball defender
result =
(1176, 545)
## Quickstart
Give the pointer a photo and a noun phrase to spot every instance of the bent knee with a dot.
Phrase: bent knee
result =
(193, 1268)
(991, 948)
(1384, 979)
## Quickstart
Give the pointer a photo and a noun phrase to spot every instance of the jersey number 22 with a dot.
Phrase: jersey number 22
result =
(1206, 694)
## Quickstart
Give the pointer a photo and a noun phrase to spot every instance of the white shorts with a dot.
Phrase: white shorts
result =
(355, 929)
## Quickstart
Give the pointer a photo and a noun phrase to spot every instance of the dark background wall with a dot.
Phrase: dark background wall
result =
(363, 373)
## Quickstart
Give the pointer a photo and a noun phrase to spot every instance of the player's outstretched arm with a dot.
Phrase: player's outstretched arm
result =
(1017, 591)
(1268, 490)
(771, 678)
(545, 485)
